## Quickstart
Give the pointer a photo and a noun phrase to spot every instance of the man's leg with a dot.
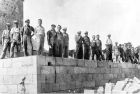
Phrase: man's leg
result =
(4, 50)
(12, 49)
(25, 46)
(29, 46)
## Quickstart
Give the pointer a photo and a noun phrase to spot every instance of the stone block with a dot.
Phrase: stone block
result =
(108, 76)
(79, 70)
(47, 70)
(79, 84)
(65, 69)
(105, 70)
(101, 64)
(115, 70)
(3, 89)
(50, 61)
(7, 63)
(59, 61)
(43, 78)
(91, 70)
(46, 88)
(69, 62)
(89, 84)
(86, 91)
(80, 62)
(90, 63)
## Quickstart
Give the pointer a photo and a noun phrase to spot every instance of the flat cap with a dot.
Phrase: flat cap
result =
(8, 24)
(65, 28)
(16, 22)
(27, 20)
(79, 32)
(109, 35)
(53, 25)
(86, 32)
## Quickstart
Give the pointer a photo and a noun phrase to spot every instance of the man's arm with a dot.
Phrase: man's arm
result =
(2, 37)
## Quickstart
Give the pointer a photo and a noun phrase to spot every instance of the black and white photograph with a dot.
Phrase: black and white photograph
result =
(69, 47)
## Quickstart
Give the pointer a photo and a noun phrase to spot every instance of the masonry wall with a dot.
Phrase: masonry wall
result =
(49, 74)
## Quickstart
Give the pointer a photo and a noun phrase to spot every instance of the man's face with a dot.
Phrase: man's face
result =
(39, 22)
(59, 28)
(53, 27)
(8, 27)
(86, 34)
(116, 44)
(97, 37)
(93, 37)
(64, 31)
(27, 23)
(16, 24)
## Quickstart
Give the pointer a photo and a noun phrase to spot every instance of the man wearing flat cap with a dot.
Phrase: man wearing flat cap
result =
(40, 33)
(86, 41)
(66, 43)
(27, 32)
(51, 38)
(99, 48)
(5, 40)
(109, 48)
(15, 38)
(79, 45)
(59, 41)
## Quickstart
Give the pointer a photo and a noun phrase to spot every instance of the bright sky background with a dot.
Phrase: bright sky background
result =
(121, 18)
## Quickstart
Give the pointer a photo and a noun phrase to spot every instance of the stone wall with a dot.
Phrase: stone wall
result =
(10, 10)
(49, 74)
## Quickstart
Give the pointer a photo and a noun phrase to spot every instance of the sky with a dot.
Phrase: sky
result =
(120, 18)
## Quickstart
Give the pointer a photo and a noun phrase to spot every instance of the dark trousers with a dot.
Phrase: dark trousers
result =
(52, 50)
(65, 51)
(59, 48)
(86, 52)
(40, 47)
(27, 45)
(99, 54)
(93, 53)
(5, 47)
(13, 45)
(109, 52)
(79, 52)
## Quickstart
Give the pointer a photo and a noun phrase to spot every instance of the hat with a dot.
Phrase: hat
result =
(86, 32)
(53, 25)
(16, 22)
(27, 21)
(109, 35)
(79, 32)
(8, 24)
(65, 28)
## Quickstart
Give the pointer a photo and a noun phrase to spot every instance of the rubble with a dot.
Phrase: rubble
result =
(127, 86)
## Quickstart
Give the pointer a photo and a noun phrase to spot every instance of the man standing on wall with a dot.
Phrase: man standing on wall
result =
(40, 34)
(59, 41)
(93, 47)
(99, 48)
(15, 38)
(5, 40)
(66, 43)
(109, 48)
(86, 41)
(51, 38)
(27, 33)
(79, 45)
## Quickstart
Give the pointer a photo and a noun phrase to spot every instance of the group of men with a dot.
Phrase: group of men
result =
(118, 53)
(85, 47)
(16, 38)
(58, 41)
(13, 39)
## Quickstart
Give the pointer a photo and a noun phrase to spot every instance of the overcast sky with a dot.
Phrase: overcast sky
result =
(120, 18)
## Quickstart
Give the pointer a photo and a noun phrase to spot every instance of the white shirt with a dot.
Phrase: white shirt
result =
(109, 41)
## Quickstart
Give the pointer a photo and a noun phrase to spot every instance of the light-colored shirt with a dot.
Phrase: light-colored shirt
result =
(109, 41)
(15, 32)
(40, 30)
(66, 38)
(6, 34)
